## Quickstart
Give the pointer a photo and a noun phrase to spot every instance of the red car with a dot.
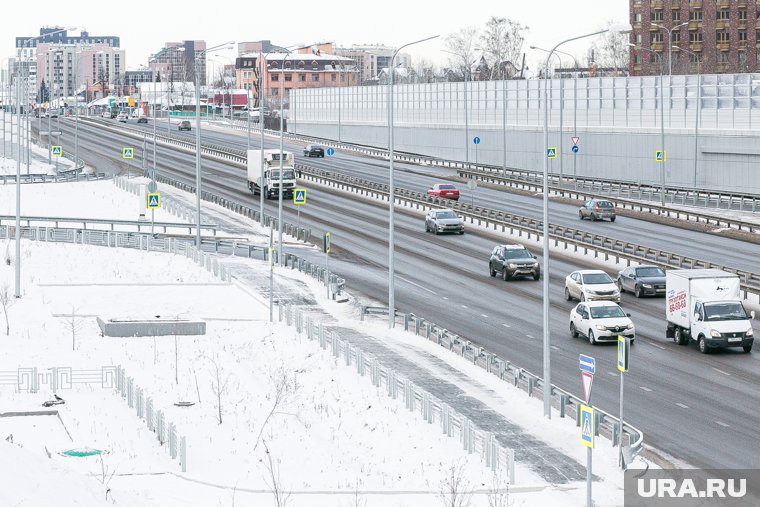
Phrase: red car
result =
(445, 190)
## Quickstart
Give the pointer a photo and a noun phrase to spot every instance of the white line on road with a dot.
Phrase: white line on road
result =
(645, 389)
(415, 284)
(464, 306)
(529, 336)
(612, 373)
(655, 345)
(444, 297)
(555, 347)
(721, 371)
(482, 314)
(506, 325)
(682, 405)
(722, 424)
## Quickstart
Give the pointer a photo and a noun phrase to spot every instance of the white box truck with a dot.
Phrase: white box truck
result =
(266, 176)
(705, 305)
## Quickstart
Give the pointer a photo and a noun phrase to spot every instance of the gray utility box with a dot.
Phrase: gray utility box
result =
(156, 326)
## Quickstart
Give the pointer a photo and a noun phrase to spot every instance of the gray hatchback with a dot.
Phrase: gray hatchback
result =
(597, 209)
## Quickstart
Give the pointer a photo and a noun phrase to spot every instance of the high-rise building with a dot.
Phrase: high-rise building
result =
(710, 36)
(69, 67)
(27, 50)
(175, 62)
(373, 58)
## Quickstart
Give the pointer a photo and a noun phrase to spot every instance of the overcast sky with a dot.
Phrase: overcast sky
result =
(144, 26)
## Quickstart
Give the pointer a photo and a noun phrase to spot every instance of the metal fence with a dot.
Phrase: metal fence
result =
(416, 399)
(56, 378)
(726, 102)
(606, 424)
(155, 420)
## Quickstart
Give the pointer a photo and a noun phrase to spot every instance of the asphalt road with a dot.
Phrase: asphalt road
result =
(702, 409)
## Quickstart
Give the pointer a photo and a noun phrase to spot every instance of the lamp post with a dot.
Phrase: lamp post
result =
(670, 41)
(198, 148)
(392, 189)
(466, 70)
(546, 334)
(280, 175)
(699, 108)
(662, 121)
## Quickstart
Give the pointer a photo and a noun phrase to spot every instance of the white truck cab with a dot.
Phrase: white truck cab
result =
(705, 305)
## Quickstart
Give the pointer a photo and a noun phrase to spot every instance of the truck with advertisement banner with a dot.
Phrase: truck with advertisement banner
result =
(705, 305)
(266, 176)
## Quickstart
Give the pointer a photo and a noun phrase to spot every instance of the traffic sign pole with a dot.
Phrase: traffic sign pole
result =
(623, 358)
(587, 366)
(589, 462)
(326, 249)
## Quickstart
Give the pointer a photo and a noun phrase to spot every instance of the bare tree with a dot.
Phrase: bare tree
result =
(74, 324)
(502, 42)
(463, 46)
(611, 49)
(219, 383)
(283, 388)
(424, 71)
(498, 494)
(281, 498)
(6, 301)
(7, 257)
(106, 474)
(455, 488)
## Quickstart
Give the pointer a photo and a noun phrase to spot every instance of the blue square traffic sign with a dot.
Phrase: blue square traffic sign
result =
(587, 363)
(587, 426)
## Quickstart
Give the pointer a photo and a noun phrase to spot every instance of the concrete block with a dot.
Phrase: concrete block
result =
(155, 326)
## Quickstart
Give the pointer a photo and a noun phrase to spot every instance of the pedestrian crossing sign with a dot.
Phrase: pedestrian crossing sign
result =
(659, 155)
(587, 426)
(154, 201)
(127, 153)
(551, 152)
(299, 196)
(56, 151)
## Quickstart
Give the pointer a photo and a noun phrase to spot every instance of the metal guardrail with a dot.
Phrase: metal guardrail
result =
(607, 424)
(61, 177)
(732, 199)
(571, 237)
(416, 399)
(106, 222)
(632, 191)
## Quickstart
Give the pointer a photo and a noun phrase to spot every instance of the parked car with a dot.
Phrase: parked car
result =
(598, 209)
(591, 285)
(53, 114)
(314, 150)
(122, 117)
(601, 321)
(443, 220)
(513, 260)
(142, 119)
(105, 114)
(184, 125)
(445, 190)
(642, 280)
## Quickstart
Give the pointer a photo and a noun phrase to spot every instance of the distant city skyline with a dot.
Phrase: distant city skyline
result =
(392, 23)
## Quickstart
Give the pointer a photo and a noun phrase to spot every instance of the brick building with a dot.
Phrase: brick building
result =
(723, 33)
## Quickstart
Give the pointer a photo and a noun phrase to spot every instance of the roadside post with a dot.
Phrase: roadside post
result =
(476, 141)
(472, 185)
(326, 250)
(299, 197)
(623, 353)
(271, 275)
(587, 420)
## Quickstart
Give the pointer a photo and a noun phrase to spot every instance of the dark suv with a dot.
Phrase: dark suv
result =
(314, 150)
(513, 260)
(184, 125)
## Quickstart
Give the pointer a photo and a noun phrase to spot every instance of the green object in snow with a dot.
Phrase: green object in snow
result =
(82, 452)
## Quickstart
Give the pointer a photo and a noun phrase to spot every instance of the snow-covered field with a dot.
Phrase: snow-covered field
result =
(332, 439)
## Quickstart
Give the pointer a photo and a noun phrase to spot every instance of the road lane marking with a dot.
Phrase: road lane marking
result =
(682, 405)
(484, 315)
(655, 345)
(415, 284)
(722, 424)
(721, 371)
(645, 389)
(612, 373)
(444, 297)
(555, 347)
(464, 306)
(506, 325)
(529, 336)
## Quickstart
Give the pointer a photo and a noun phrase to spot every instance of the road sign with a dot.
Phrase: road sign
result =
(299, 196)
(575, 139)
(587, 426)
(476, 140)
(150, 173)
(127, 153)
(472, 184)
(152, 187)
(575, 149)
(56, 151)
(587, 363)
(660, 155)
(154, 201)
(623, 351)
(326, 243)
(551, 152)
(330, 151)
(588, 379)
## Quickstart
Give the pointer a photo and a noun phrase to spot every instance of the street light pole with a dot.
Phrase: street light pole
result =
(662, 121)
(670, 42)
(546, 334)
(699, 108)
(392, 190)
(282, 124)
